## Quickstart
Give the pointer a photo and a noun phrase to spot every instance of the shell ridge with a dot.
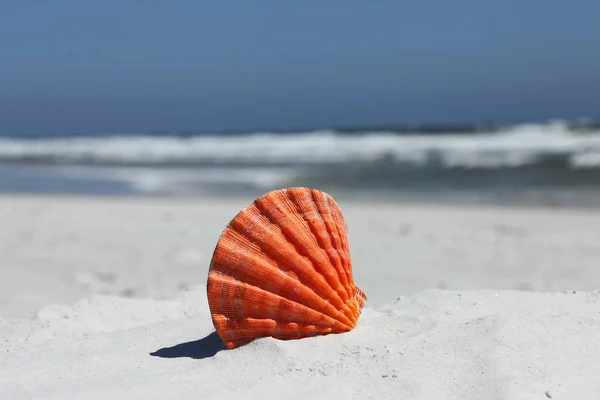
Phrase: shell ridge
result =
(240, 231)
(346, 261)
(345, 257)
(338, 315)
(223, 278)
(338, 216)
(335, 254)
(325, 307)
(266, 211)
(222, 270)
(319, 242)
(334, 244)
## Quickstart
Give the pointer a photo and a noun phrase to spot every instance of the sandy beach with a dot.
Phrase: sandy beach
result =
(105, 298)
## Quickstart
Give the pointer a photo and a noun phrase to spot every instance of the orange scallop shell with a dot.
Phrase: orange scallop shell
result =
(282, 268)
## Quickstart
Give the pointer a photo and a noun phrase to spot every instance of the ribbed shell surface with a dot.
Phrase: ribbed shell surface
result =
(282, 268)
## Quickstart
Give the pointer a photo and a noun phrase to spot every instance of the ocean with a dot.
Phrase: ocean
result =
(550, 163)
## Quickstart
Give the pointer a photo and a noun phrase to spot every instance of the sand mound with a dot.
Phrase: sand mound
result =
(435, 344)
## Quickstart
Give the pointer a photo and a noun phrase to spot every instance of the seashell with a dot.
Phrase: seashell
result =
(282, 268)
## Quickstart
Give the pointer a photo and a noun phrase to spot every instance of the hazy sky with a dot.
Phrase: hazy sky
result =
(121, 66)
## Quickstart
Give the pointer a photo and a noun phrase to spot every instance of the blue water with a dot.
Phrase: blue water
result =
(544, 163)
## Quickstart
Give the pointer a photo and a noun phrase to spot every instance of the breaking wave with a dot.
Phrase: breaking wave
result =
(510, 147)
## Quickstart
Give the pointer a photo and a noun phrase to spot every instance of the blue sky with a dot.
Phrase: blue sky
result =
(71, 66)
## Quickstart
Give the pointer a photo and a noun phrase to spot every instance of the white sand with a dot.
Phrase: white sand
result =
(104, 298)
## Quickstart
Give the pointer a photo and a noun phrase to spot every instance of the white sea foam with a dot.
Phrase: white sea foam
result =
(516, 146)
